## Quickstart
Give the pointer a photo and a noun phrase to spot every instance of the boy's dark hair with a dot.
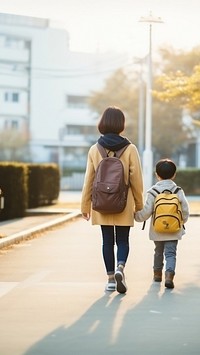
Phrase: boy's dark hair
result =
(112, 121)
(165, 169)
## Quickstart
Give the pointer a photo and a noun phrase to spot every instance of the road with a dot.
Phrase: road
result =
(52, 298)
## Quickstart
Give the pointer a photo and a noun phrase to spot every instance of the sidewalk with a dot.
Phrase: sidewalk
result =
(41, 219)
(52, 298)
(38, 220)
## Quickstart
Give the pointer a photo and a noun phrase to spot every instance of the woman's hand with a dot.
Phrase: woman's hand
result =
(86, 216)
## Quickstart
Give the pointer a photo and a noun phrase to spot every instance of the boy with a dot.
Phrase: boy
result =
(165, 243)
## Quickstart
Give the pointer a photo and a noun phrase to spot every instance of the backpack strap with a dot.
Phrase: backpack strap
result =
(166, 190)
(154, 189)
(143, 226)
(154, 195)
(178, 188)
(151, 192)
(119, 152)
(102, 151)
(104, 154)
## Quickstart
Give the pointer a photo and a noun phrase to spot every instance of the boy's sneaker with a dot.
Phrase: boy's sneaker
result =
(111, 286)
(120, 280)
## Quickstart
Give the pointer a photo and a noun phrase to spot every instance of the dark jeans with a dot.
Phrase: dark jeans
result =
(110, 235)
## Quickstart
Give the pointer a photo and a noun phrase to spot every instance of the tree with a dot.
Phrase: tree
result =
(181, 88)
(13, 146)
(120, 90)
(173, 60)
(169, 133)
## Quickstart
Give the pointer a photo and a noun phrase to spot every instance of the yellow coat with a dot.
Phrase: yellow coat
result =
(133, 173)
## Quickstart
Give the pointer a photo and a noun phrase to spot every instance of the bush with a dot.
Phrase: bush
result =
(189, 180)
(43, 184)
(27, 186)
(13, 183)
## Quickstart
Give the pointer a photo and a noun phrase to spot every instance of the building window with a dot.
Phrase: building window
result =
(11, 124)
(11, 96)
(14, 125)
(74, 129)
(14, 43)
(77, 101)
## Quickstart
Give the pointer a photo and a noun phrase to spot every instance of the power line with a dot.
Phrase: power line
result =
(62, 73)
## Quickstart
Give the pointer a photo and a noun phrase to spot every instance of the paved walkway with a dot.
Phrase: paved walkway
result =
(38, 220)
(52, 299)
(41, 219)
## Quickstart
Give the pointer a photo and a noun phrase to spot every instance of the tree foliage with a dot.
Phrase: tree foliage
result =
(168, 131)
(13, 146)
(120, 90)
(175, 84)
(181, 88)
(180, 79)
(178, 60)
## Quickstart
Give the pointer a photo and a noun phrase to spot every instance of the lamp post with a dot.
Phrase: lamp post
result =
(140, 62)
(148, 154)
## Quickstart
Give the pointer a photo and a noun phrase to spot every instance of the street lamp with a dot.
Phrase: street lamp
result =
(140, 62)
(148, 154)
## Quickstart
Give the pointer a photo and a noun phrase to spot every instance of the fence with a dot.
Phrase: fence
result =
(73, 182)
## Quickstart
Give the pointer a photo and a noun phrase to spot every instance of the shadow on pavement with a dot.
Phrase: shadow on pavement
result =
(164, 322)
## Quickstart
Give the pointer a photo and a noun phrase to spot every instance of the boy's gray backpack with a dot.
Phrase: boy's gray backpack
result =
(109, 193)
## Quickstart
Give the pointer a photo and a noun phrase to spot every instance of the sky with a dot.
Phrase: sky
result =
(113, 25)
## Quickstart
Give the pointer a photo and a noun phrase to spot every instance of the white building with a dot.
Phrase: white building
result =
(44, 89)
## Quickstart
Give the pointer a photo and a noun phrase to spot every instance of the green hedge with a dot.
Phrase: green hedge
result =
(33, 185)
(189, 180)
(27, 186)
(13, 183)
(43, 184)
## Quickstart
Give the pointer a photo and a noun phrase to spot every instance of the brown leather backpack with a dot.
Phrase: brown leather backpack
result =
(109, 193)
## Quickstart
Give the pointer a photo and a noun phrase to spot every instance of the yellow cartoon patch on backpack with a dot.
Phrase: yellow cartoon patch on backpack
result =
(167, 214)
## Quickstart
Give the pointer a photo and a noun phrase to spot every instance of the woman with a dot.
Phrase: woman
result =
(114, 227)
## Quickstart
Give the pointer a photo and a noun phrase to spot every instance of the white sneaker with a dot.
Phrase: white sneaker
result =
(120, 280)
(110, 286)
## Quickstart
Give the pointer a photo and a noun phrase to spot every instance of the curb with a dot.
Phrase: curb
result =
(17, 237)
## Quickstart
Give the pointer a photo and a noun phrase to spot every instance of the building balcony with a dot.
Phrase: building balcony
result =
(13, 81)
(14, 109)
(12, 55)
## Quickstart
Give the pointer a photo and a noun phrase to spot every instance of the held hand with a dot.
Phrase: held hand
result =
(86, 216)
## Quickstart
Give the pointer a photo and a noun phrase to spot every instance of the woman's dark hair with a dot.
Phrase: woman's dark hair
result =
(165, 168)
(112, 121)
